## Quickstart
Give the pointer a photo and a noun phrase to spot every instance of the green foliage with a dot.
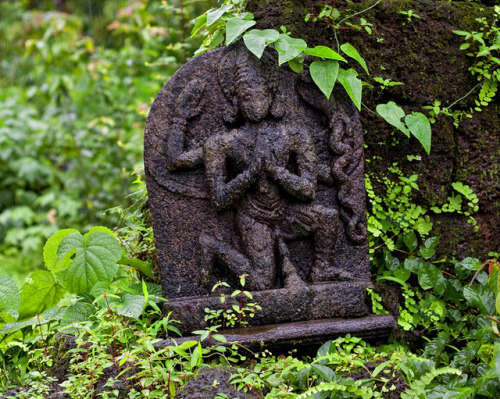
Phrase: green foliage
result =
(75, 89)
(415, 123)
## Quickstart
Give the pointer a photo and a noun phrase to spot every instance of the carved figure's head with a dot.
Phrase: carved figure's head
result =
(249, 84)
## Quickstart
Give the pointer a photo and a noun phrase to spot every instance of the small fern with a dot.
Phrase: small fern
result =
(417, 388)
(355, 390)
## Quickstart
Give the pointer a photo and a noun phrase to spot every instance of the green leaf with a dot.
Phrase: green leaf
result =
(144, 267)
(200, 22)
(10, 299)
(402, 274)
(50, 251)
(497, 359)
(95, 262)
(256, 40)
(352, 85)
(296, 66)
(128, 305)
(349, 50)
(39, 293)
(429, 276)
(196, 356)
(79, 312)
(288, 48)
(393, 114)
(410, 240)
(46, 317)
(235, 27)
(413, 264)
(481, 298)
(214, 15)
(420, 127)
(324, 74)
(324, 52)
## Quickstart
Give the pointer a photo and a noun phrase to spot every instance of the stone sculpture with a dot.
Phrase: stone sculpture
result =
(251, 170)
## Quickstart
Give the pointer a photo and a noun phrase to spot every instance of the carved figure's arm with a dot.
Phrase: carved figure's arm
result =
(224, 194)
(303, 184)
(188, 105)
(176, 156)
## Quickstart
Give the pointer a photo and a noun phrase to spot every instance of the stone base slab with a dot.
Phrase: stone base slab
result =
(307, 302)
(289, 336)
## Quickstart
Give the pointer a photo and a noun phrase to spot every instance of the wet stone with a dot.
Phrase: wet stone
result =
(252, 171)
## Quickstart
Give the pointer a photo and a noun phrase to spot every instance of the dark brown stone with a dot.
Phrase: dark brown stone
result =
(251, 170)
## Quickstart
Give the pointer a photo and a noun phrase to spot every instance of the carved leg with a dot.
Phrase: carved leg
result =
(258, 241)
(325, 239)
(288, 269)
(215, 249)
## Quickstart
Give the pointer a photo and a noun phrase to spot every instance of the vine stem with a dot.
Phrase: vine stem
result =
(461, 98)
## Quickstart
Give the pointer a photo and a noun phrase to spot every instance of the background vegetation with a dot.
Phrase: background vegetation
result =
(77, 79)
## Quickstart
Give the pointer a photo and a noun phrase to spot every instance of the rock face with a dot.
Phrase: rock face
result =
(252, 171)
(425, 55)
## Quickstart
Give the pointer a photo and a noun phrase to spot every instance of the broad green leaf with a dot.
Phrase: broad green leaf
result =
(50, 251)
(200, 22)
(214, 15)
(256, 40)
(352, 85)
(236, 27)
(128, 305)
(429, 276)
(144, 267)
(324, 74)
(39, 293)
(325, 372)
(393, 114)
(49, 315)
(420, 127)
(79, 312)
(413, 264)
(481, 298)
(324, 52)
(10, 299)
(402, 274)
(154, 290)
(95, 261)
(349, 50)
(289, 48)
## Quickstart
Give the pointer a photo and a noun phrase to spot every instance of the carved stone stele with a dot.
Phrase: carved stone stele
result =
(251, 170)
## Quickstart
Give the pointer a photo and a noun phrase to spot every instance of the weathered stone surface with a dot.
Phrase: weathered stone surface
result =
(311, 302)
(251, 170)
(305, 334)
(233, 166)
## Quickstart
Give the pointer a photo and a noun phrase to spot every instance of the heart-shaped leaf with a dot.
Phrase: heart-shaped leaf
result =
(324, 74)
(236, 27)
(420, 127)
(289, 48)
(256, 40)
(50, 251)
(96, 255)
(393, 114)
(349, 50)
(352, 85)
